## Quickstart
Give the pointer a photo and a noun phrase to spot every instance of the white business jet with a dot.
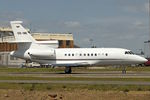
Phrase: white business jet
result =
(30, 49)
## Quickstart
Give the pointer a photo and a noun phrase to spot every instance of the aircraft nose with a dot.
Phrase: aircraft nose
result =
(142, 60)
(145, 60)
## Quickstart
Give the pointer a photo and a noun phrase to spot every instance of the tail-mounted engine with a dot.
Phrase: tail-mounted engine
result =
(50, 53)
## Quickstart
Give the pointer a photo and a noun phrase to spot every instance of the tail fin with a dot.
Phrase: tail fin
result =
(20, 33)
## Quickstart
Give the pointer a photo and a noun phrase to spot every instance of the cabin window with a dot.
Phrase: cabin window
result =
(88, 54)
(68, 54)
(106, 54)
(65, 54)
(92, 54)
(84, 54)
(95, 54)
(129, 52)
(72, 54)
(80, 54)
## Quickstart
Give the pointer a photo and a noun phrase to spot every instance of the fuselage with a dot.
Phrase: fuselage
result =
(81, 56)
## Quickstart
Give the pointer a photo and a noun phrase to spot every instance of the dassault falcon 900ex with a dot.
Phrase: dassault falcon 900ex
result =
(30, 49)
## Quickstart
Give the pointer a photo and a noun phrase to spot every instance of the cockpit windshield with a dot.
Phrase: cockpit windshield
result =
(129, 52)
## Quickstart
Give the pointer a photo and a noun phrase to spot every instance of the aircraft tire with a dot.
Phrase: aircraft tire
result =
(68, 70)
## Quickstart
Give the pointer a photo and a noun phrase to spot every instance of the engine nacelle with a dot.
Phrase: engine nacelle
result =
(41, 53)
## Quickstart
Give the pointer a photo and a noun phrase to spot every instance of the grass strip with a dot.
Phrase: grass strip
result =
(71, 87)
(72, 78)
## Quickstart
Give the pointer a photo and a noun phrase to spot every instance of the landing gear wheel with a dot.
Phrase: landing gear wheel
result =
(124, 70)
(68, 70)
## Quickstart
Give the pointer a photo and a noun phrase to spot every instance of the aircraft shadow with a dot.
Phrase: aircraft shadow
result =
(73, 73)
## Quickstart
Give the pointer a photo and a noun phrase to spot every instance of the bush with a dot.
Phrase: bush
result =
(32, 87)
(139, 89)
(126, 90)
(64, 86)
(48, 88)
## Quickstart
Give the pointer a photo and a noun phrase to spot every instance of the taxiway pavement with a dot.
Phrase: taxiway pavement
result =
(100, 74)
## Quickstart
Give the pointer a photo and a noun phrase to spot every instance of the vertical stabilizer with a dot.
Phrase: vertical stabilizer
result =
(20, 33)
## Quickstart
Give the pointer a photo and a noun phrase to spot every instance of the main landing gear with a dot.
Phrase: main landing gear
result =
(124, 70)
(68, 70)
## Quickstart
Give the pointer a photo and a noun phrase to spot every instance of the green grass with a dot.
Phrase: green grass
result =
(72, 78)
(71, 87)
(6, 69)
(129, 68)
(29, 70)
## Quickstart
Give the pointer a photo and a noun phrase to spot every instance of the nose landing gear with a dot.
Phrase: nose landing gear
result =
(124, 70)
(68, 70)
